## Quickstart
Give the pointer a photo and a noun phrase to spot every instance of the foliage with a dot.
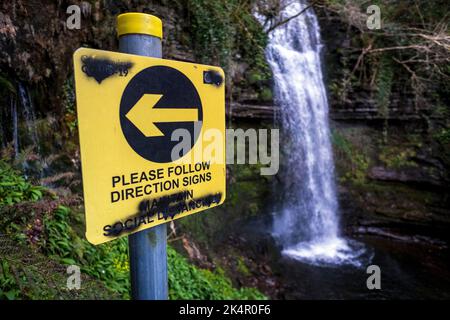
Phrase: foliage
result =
(104, 262)
(70, 115)
(212, 30)
(411, 47)
(443, 136)
(242, 266)
(8, 287)
(189, 282)
(63, 243)
(397, 157)
(220, 28)
(14, 188)
(265, 95)
(355, 160)
(6, 86)
(224, 31)
(21, 274)
(384, 81)
(384, 85)
(109, 263)
(28, 274)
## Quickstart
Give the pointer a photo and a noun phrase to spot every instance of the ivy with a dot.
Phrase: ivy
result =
(225, 31)
(384, 88)
(384, 85)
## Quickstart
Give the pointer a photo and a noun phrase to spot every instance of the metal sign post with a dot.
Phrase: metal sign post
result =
(141, 34)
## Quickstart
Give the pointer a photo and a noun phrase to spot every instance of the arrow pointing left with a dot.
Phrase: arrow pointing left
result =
(144, 115)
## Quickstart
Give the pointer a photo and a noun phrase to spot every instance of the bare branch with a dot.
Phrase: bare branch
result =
(276, 25)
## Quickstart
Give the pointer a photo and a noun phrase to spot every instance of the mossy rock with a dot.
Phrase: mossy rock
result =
(265, 95)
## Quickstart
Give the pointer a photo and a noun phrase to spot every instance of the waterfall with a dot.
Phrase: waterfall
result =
(28, 136)
(307, 223)
(29, 115)
(15, 127)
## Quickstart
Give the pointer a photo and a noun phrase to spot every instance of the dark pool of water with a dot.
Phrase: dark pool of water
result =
(408, 271)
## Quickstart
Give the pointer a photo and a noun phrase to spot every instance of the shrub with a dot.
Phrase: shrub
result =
(14, 188)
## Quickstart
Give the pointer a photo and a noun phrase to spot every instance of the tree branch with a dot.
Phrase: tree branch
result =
(288, 19)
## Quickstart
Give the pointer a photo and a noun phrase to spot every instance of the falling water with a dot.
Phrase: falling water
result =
(29, 136)
(307, 224)
(15, 127)
(29, 115)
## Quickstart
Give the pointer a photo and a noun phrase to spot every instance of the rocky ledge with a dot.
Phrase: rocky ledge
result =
(239, 110)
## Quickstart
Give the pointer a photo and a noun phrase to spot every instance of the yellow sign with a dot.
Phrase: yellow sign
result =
(143, 125)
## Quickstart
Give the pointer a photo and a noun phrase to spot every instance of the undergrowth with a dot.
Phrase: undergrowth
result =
(60, 241)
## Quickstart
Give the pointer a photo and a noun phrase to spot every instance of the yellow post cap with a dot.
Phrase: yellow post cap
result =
(141, 23)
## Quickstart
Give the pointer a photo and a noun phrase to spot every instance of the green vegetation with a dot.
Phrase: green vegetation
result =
(26, 273)
(6, 86)
(225, 32)
(14, 188)
(8, 288)
(245, 182)
(409, 32)
(384, 85)
(397, 157)
(223, 28)
(189, 282)
(354, 160)
(70, 115)
(384, 81)
(248, 195)
(242, 266)
(407, 56)
(49, 234)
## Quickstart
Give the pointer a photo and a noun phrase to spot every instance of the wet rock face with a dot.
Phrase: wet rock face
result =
(396, 189)
(424, 176)
(36, 45)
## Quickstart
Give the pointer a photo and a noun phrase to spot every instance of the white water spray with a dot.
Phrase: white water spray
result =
(308, 224)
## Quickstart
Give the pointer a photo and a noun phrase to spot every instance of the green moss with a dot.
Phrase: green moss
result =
(397, 157)
(242, 267)
(443, 136)
(354, 162)
(266, 95)
(6, 86)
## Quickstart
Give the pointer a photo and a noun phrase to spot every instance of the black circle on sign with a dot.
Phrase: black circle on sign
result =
(177, 92)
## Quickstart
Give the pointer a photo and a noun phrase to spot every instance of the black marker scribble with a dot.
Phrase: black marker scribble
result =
(102, 68)
(163, 208)
(212, 77)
